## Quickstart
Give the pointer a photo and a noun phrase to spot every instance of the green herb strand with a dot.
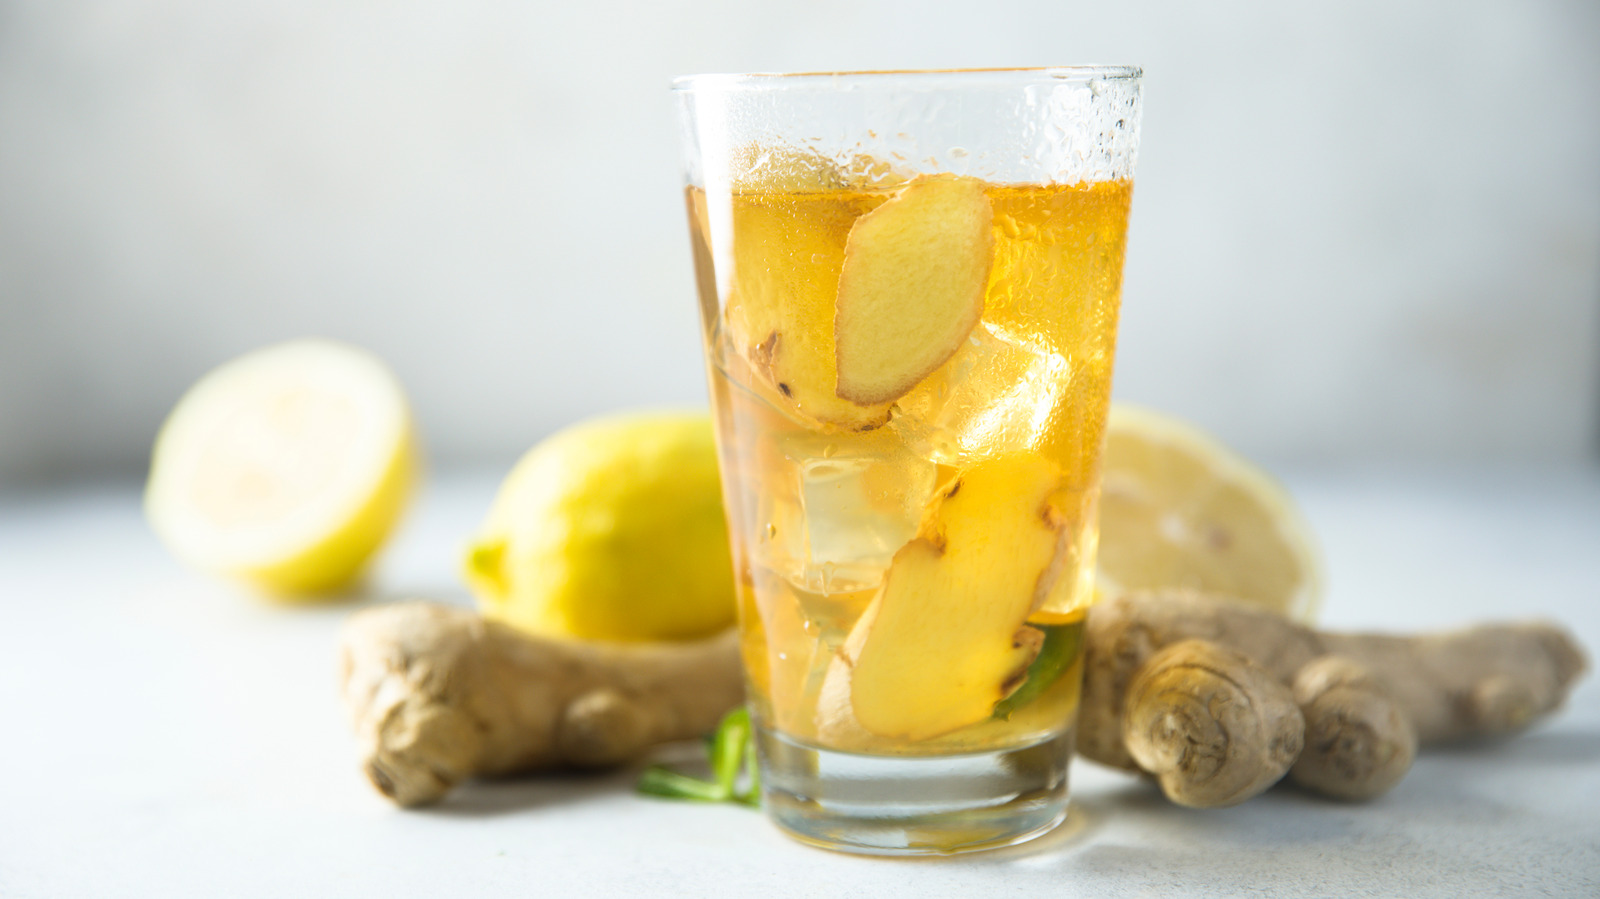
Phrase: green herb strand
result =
(729, 749)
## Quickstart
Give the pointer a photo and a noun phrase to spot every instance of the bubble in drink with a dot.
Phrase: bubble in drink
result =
(791, 168)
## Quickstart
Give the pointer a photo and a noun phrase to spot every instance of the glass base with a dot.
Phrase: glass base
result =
(895, 805)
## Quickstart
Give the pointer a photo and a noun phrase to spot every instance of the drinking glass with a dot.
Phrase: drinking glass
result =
(909, 284)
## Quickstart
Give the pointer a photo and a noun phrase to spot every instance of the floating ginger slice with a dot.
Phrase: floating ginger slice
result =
(945, 639)
(911, 287)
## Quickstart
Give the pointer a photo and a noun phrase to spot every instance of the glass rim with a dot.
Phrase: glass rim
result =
(763, 81)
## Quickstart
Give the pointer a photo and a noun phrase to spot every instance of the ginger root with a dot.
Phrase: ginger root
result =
(438, 694)
(1358, 741)
(1193, 690)
(1212, 726)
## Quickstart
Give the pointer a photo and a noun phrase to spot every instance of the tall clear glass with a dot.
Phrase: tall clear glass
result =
(909, 284)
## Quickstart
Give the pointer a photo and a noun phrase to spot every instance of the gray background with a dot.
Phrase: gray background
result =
(1363, 231)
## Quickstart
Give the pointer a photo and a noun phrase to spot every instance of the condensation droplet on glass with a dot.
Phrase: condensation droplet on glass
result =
(829, 451)
(772, 531)
(818, 258)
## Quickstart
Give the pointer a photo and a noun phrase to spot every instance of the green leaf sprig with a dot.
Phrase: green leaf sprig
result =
(731, 749)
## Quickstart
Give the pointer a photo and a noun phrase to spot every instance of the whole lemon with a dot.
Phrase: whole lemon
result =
(610, 530)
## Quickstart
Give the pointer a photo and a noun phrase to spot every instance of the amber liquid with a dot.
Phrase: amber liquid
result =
(818, 510)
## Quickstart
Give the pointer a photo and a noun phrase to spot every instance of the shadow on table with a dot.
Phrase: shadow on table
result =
(532, 792)
(1287, 842)
(1130, 826)
(535, 792)
(1131, 832)
(1554, 748)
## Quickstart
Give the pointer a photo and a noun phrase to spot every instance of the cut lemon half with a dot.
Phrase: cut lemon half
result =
(1179, 509)
(287, 467)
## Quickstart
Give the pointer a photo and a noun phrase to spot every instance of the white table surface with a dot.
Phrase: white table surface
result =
(163, 734)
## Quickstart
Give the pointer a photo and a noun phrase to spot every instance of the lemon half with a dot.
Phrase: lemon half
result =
(287, 467)
(1179, 509)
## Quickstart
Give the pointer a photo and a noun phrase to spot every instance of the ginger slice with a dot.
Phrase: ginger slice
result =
(911, 286)
(945, 639)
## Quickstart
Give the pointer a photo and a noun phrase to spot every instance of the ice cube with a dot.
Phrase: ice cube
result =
(996, 395)
(843, 508)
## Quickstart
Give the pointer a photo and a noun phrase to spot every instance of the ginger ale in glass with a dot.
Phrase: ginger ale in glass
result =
(909, 286)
